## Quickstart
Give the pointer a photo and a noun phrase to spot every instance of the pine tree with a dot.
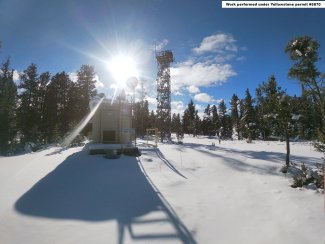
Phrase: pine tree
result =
(308, 121)
(173, 124)
(30, 105)
(248, 119)
(186, 121)
(50, 115)
(152, 120)
(177, 127)
(62, 84)
(241, 120)
(191, 110)
(278, 111)
(87, 89)
(137, 118)
(225, 121)
(296, 117)
(261, 117)
(215, 120)
(61, 106)
(188, 118)
(267, 102)
(286, 114)
(73, 105)
(146, 115)
(207, 123)
(44, 80)
(8, 99)
(197, 124)
(141, 117)
(303, 51)
(234, 103)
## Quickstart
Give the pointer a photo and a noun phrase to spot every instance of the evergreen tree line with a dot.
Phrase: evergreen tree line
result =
(265, 117)
(143, 118)
(42, 108)
(272, 114)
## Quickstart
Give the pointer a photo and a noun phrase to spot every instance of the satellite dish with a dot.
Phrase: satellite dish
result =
(132, 82)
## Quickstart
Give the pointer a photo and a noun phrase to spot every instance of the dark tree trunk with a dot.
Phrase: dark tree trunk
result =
(288, 148)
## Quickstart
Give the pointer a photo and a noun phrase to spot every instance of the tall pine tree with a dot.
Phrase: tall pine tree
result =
(44, 80)
(286, 114)
(267, 102)
(207, 122)
(8, 99)
(225, 121)
(303, 51)
(177, 127)
(215, 120)
(234, 103)
(30, 105)
(87, 89)
(248, 119)
(189, 118)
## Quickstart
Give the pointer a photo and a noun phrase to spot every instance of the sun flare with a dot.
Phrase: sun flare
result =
(122, 67)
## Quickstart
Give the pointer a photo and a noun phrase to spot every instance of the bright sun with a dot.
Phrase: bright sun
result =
(122, 67)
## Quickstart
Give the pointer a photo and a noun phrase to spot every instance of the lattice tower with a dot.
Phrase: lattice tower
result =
(164, 59)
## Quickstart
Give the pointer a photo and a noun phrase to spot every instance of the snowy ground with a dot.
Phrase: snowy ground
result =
(190, 193)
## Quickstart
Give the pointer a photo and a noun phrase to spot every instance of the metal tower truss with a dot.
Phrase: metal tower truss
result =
(164, 59)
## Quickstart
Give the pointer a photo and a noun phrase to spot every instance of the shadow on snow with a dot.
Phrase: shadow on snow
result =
(163, 159)
(92, 188)
(240, 165)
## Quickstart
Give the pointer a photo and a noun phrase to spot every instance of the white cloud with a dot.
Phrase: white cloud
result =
(98, 83)
(178, 93)
(200, 74)
(218, 43)
(160, 45)
(241, 58)
(224, 57)
(177, 107)
(16, 76)
(193, 89)
(209, 67)
(73, 76)
(203, 97)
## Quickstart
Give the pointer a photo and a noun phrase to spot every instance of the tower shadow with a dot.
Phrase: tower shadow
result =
(91, 188)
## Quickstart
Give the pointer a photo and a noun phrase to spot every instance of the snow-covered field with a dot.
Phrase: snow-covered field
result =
(190, 193)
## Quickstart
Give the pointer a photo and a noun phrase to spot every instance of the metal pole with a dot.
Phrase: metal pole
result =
(135, 134)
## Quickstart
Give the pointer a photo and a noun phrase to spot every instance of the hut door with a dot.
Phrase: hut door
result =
(109, 136)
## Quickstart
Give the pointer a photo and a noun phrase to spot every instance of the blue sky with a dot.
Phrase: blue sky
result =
(218, 51)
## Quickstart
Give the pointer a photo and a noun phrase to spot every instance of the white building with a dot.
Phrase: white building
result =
(111, 125)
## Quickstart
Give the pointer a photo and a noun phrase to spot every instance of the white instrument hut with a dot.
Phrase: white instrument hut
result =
(112, 122)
